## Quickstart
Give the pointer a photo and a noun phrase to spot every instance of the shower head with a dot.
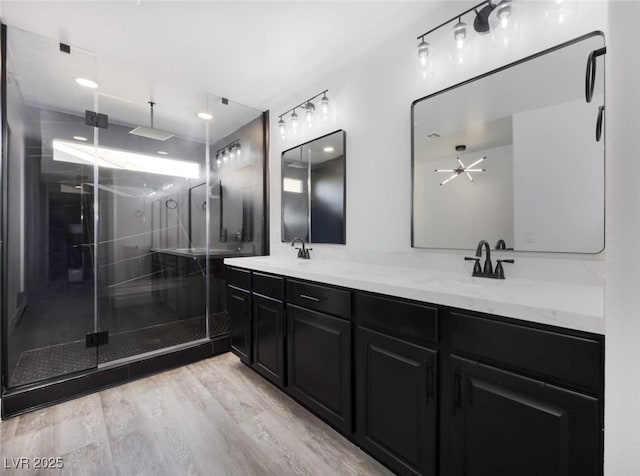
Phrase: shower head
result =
(150, 132)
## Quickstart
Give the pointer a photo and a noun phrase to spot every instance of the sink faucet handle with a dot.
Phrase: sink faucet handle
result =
(500, 269)
(476, 267)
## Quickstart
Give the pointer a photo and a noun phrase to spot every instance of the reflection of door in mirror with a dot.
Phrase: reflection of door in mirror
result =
(313, 190)
(512, 156)
(295, 195)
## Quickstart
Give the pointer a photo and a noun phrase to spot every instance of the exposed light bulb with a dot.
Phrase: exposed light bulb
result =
(283, 128)
(504, 25)
(225, 157)
(504, 13)
(294, 120)
(238, 150)
(232, 153)
(218, 163)
(324, 106)
(309, 109)
(460, 33)
(423, 52)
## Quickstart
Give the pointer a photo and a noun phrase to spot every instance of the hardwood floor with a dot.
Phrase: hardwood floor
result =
(214, 417)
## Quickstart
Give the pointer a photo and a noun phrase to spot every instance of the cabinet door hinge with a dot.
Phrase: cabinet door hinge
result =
(95, 119)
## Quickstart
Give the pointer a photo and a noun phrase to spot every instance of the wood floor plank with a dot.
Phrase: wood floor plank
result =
(215, 417)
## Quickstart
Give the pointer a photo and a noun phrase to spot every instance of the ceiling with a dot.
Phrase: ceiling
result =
(186, 55)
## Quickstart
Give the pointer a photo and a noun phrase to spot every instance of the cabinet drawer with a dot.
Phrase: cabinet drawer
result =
(406, 320)
(572, 360)
(268, 285)
(239, 277)
(320, 298)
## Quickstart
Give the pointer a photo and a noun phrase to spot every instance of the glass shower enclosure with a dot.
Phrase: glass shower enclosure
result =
(119, 210)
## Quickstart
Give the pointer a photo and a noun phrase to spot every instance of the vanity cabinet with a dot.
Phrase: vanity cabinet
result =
(239, 309)
(396, 382)
(268, 327)
(504, 424)
(319, 364)
(427, 389)
(520, 399)
(396, 402)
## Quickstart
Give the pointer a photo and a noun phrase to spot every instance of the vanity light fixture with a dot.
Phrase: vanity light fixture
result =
(309, 107)
(460, 33)
(228, 153)
(560, 11)
(461, 169)
(283, 128)
(324, 106)
(488, 16)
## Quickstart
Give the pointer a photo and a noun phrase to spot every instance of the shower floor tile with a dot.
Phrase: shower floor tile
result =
(60, 359)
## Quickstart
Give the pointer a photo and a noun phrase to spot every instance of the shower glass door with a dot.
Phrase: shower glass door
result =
(151, 279)
(49, 286)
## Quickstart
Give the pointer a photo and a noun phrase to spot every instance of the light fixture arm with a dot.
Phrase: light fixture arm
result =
(303, 103)
(487, 3)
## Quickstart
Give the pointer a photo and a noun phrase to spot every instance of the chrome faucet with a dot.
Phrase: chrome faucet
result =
(487, 271)
(303, 253)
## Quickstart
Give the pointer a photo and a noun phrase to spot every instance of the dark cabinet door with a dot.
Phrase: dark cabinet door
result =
(268, 338)
(505, 424)
(319, 364)
(239, 308)
(396, 402)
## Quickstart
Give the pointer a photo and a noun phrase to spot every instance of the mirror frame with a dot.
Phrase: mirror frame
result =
(344, 192)
(592, 34)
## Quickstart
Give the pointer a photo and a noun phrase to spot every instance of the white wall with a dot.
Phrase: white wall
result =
(557, 182)
(622, 299)
(371, 100)
(445, 214)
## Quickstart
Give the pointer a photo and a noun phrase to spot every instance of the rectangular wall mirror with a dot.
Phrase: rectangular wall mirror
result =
(313, 190)
(512, 155)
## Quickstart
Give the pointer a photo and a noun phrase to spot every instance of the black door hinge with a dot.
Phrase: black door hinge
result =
(95, 119)
(97, 339)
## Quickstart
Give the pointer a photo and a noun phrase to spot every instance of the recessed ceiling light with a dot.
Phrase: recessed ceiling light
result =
(87, 83)
(162, 152)
(328, 149)
(205, 116)
(80, 138)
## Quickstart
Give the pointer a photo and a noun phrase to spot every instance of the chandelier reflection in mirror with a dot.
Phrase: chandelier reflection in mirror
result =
(497, 18)
(461, 168)
(308, 108)
(228, 154)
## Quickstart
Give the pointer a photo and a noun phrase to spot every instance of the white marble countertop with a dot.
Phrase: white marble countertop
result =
(573, 306)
